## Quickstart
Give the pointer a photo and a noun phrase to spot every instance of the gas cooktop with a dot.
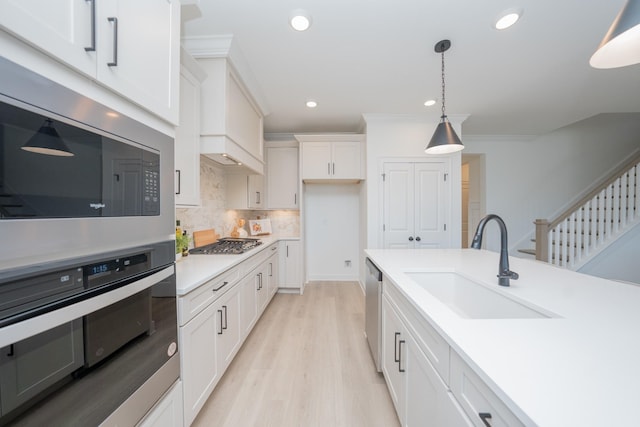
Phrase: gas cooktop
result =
(227, 245)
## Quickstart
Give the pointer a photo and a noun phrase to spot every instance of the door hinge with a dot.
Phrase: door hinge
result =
(445, 177)
(445, 227)
(384, 227)
(384, 176)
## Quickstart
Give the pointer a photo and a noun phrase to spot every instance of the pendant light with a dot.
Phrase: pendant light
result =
(47, 141)
(444, 139)
(621, 45)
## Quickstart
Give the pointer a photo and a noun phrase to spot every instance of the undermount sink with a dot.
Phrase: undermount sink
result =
(470, 299)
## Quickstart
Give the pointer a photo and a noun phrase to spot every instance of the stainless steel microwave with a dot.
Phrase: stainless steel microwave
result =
(102, 181)
(88, 324)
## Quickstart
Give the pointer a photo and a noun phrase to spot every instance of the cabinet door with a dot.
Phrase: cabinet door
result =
(282, 178)
(427, 398)
(61, 28)
(346, 160)
(316, 160)
(139, 52)
(255, 192)
(228, 334)
(198, 360)
(187, 142)
(393, 342)
(248, 303)
(291, 264)
(273, 264)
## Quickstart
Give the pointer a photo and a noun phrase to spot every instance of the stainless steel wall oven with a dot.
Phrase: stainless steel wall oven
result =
(88, 330)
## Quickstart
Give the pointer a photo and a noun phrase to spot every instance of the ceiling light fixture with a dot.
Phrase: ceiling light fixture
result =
(507, 19)
(300, 20)
(312, 104)
(47, 141)
(621, 45)
(430, 102)
(444, 139)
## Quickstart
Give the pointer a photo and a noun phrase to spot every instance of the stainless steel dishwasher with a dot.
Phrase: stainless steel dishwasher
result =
(372, 319)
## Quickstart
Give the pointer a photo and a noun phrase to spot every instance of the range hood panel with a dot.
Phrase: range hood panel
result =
(222, 150)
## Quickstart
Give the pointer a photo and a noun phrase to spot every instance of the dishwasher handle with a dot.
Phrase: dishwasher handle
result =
(374, 270)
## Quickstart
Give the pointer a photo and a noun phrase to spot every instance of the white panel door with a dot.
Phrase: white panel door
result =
(398, 205)
(431, 205)
(416, 205)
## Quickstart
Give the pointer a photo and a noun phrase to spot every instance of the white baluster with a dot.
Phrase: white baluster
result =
(608, 225)
(636, 190)
(624, 199)
(589, 227)
(579, 235)
(601, 216)
(557, 235)
(616, 206)
(565, 241)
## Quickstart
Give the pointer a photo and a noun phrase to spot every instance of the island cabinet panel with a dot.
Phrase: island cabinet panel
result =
(102, 40)
(419, 394)
(478, 401)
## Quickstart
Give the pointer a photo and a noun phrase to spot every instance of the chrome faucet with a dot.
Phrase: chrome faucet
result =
(504, 274)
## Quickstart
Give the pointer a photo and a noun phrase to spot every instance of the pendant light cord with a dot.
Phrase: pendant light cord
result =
(443, 113)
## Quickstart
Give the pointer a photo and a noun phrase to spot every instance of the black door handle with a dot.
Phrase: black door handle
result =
(484, 416)
(411, 238)
(418, 238)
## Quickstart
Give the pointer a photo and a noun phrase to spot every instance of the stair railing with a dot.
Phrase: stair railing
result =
(592, 223)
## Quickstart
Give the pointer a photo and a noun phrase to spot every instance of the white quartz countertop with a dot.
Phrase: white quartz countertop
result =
(578, 368)
(196, 269)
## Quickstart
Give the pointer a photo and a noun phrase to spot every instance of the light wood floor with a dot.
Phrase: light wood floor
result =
(306, 363)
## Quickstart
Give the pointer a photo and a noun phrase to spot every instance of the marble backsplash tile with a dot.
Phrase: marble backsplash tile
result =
(212, 212)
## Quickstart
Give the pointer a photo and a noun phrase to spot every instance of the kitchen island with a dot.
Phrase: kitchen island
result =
(576, 363)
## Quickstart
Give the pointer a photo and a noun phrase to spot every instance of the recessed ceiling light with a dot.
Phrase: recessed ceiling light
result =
(507, 19)
(300, 20)
(430, 102)
(312, 104)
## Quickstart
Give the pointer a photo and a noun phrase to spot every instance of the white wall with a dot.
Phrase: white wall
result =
(619, 261)
(528, 178)
(332, 230)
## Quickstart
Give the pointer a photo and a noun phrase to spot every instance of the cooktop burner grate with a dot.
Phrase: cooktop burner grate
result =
(227, 245)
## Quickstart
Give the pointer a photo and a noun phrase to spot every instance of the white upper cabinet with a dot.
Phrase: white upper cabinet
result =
(245, 192)
(338, 158)
(282, 177)
(187, 140)
(231, 121)
(130, 47)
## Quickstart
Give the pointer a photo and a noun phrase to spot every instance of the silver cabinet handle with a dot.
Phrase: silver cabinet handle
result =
(92, 48)
(329, 168)
(334, 169)
(257, 197)
(114, 63)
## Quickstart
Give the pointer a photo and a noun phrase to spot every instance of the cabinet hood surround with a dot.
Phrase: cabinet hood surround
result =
(225, 138)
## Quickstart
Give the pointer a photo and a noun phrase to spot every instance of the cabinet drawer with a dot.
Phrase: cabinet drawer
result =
(255, 261)
(427, 338)
(198, 299)
(476, 398)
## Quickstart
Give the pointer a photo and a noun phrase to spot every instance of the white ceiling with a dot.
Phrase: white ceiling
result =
(376, 56)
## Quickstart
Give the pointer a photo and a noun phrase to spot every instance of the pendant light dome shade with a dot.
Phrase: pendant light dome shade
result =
(621, 45)
(444, 139)
(47, 141)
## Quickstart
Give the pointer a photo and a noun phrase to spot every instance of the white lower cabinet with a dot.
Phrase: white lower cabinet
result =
(168, 412)
(215, 319)
(291, 264)
(428, 381)
(274, 271)
(198, 360)
(419, 394)
(479, 402)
